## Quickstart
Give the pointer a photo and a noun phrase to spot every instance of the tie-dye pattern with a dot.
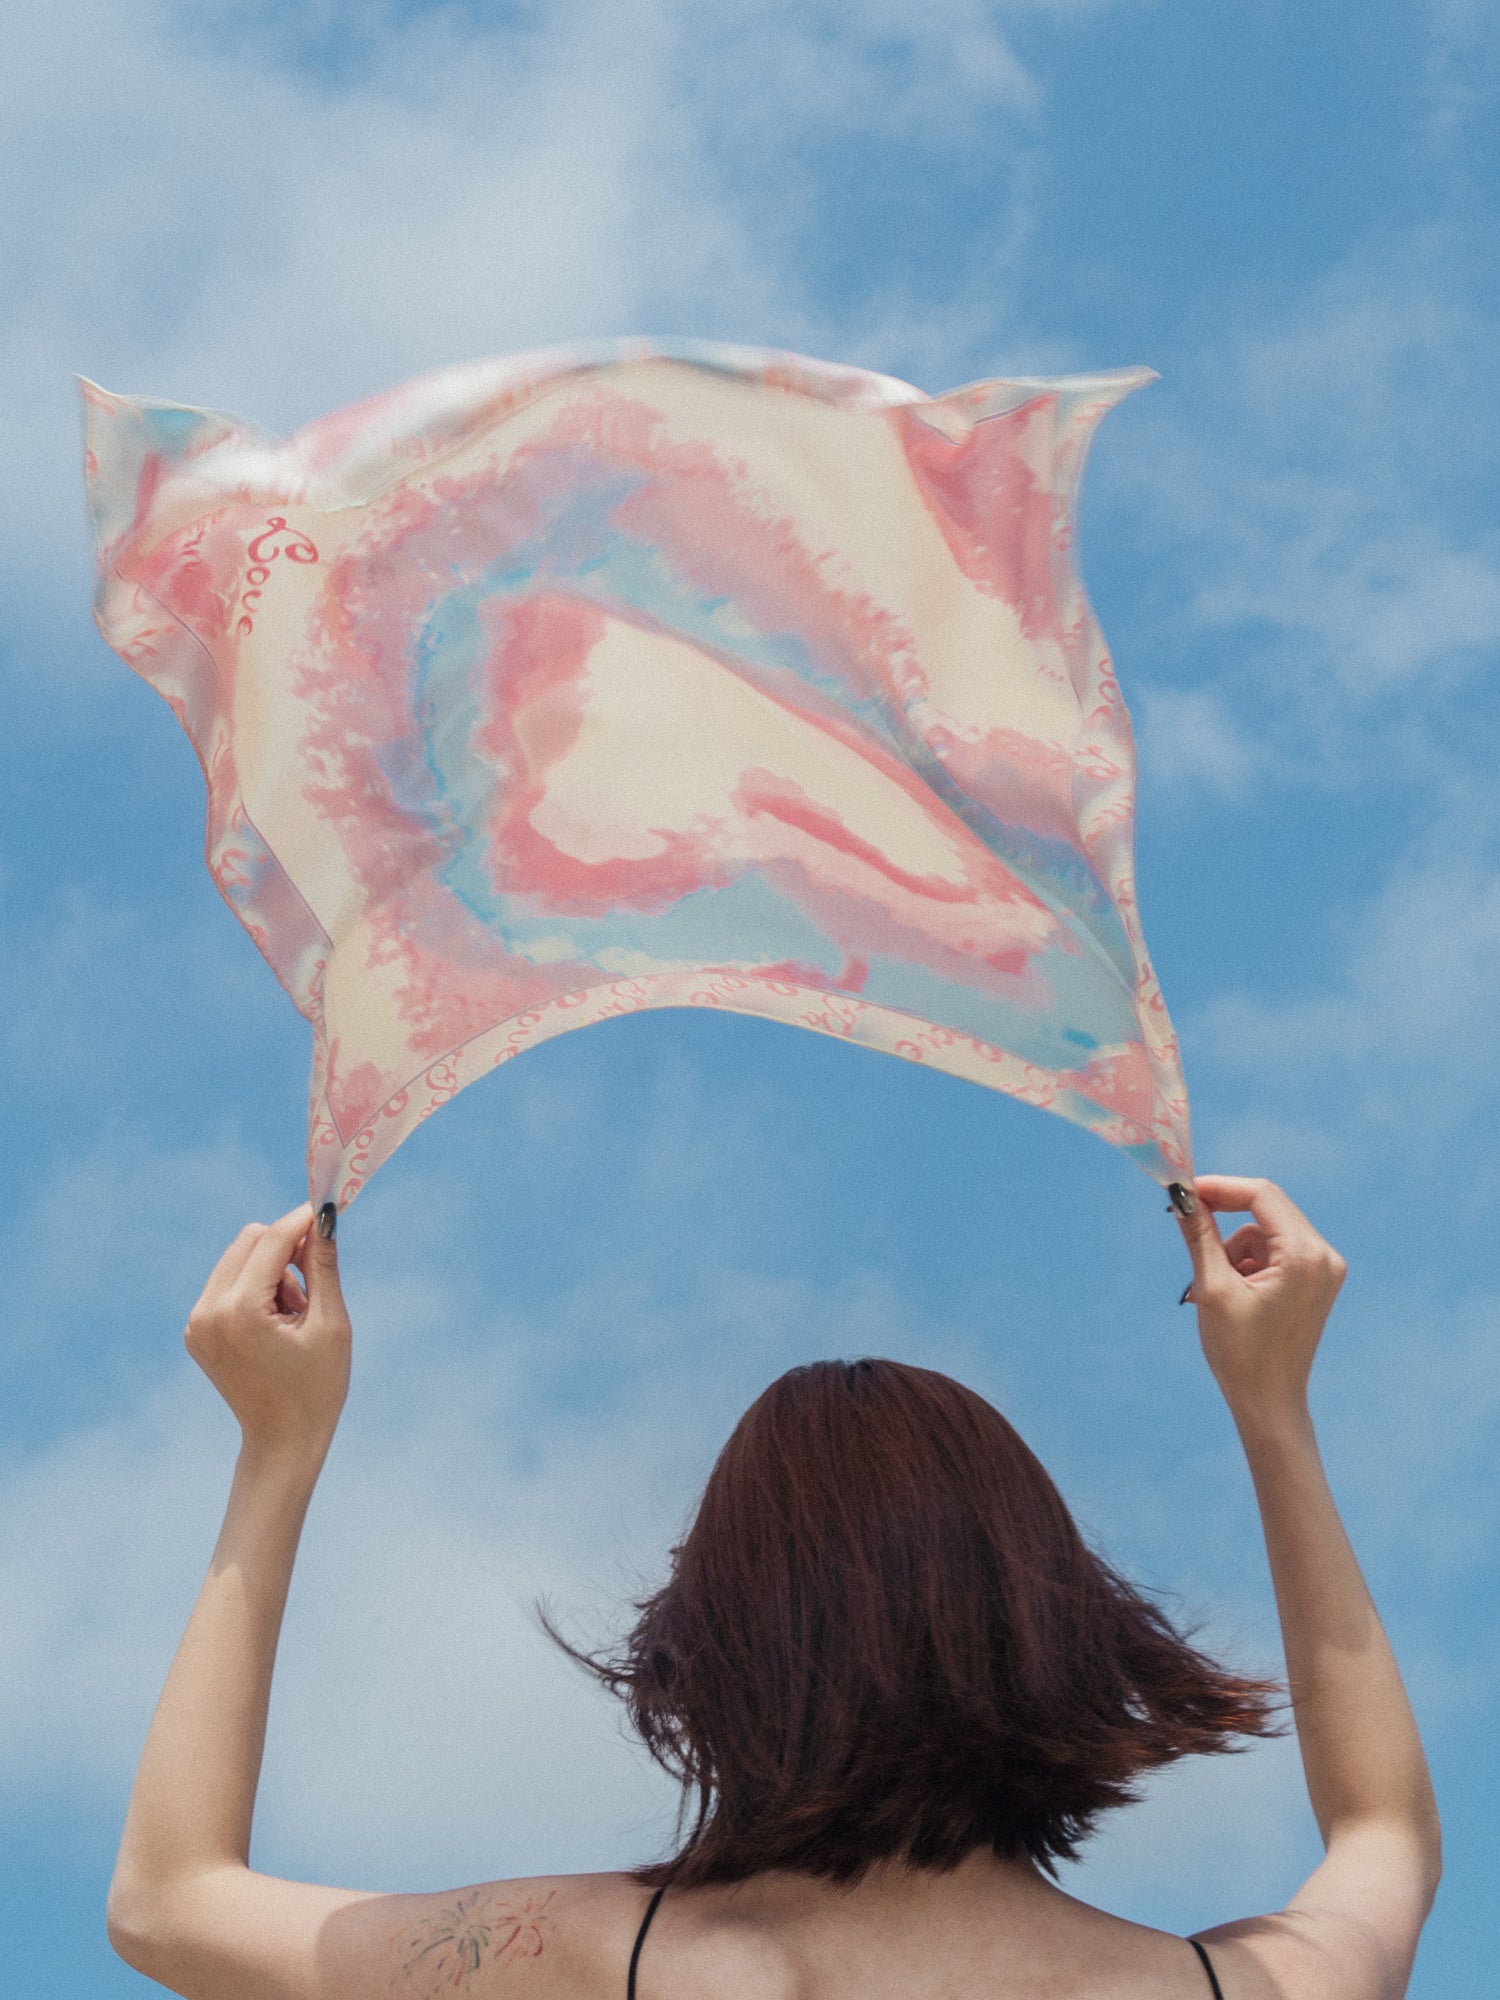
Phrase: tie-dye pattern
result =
(552, 688)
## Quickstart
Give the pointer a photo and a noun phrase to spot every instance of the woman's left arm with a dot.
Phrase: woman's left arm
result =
(279, 1355)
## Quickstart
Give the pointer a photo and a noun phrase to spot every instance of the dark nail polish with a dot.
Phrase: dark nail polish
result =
(1181, 1198)
(1187, 1294)
(328, 1220)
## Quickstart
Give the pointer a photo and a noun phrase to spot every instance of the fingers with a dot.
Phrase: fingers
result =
(1277, 1214)
(291, 1300)
(234, 1259)
(1201, 1234)
(1247, 1249)
(263, 1259)
(1280, 1235)
(319, 1264)
(273, 1250)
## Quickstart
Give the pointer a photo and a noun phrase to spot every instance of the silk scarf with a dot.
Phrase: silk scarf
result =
(547, 689)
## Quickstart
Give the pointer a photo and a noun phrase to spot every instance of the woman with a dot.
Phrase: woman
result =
(886, 1668)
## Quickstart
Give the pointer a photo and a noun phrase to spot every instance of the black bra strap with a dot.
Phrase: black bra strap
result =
(1208, 1967)
(640, 1939)
(651, 1908)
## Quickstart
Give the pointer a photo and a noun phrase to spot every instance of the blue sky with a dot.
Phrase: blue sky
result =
(568, 1285)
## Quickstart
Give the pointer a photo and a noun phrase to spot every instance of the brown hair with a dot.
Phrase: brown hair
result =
(884, 1636)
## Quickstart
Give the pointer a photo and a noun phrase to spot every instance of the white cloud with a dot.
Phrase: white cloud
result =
(1185, 736)
(1422, 1483)
(196, 208)
(131, 1228)
(1213, 1839)
(89, 984)
(1397, 1050)
(1463, 72)
(1383, 607)
(424, 1729)
(879, 66)
(100, 1539)
(1339, 626)
(472, 195)
(1319, 486)
(421, 1724)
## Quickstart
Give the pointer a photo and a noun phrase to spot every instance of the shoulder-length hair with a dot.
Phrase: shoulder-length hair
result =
(883, 1636)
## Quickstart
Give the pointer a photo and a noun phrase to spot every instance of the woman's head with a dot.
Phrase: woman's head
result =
(883, 1636)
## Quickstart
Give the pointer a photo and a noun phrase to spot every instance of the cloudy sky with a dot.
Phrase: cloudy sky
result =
(567, 1286)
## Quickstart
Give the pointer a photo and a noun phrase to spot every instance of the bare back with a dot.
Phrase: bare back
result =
(992, 1932)
(988, 1930)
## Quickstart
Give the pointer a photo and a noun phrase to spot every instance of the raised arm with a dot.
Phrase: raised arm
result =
(1351, 1931)
(185, 1905)
(279, 1356)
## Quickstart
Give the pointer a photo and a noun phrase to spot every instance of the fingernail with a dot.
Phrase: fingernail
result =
(328, 1220)
(1182, 1199)
(1187, 1293)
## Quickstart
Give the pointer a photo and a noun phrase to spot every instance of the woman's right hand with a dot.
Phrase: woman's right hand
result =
(1262, 1297)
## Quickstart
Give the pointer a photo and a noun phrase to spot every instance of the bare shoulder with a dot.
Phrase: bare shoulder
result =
(1303, 1955)
(1349, 1933)
(1289, 1957)
(536, 1938)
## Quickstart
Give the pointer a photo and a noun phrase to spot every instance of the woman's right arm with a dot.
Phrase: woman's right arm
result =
(1350, 1932)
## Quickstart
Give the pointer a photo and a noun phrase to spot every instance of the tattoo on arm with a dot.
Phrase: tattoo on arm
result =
(447, 1950)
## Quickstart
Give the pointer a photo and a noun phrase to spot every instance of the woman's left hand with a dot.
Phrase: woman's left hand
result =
(276, 1345)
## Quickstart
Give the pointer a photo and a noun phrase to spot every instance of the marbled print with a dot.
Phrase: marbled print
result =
(559, 686)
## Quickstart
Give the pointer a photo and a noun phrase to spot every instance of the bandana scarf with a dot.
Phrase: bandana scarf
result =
(547, 689)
